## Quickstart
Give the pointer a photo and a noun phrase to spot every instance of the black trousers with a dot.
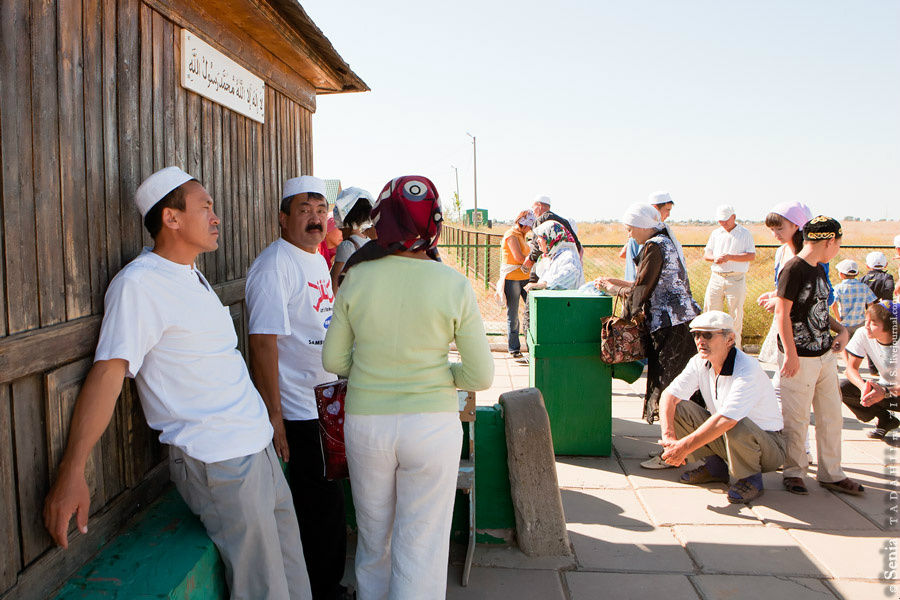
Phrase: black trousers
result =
(851, 396)
(320, 509)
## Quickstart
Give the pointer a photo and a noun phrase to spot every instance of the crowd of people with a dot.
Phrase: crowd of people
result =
(357, 291)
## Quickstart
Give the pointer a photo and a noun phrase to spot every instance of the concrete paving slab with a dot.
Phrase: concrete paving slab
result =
(772, 482)
(863, 590)
(604, 548)
(815, 511)
(614, 508)
(639, 477)
(521, 584)
(634, 428)
(876, 504)
(634, 447)
(627, 410)
(694, 505)
(747, 550)
(590, 472)
(847, 554)
(512, 558)
(627, 586)
(878, 452)
(747, 587)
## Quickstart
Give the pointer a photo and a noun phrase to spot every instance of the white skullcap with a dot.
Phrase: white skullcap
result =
(155, 187)
(876, 260)
(346, 200)
(897, 241)
(542, 199)
(848, 267)
(641, 215)
(714, 320)
(660, 198)
(724, 212)
(304, 184)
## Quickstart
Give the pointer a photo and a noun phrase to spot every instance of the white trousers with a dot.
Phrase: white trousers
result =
(731, 289)
(403, 471)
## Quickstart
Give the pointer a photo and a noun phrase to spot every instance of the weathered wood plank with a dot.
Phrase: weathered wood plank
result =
(180, 96)
(158, 43)
(226, 202)
(17, 181)
(211, 259)
(110, 149)
(32, 480)
(128, 85)
(168, 92)
(241, 197)
(250, 195)
(146, 117)
(194, 159)
(11, 557)
(45, 127)
(220, 204)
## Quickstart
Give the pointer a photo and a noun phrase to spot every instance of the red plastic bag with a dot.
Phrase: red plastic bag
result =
(330, 405)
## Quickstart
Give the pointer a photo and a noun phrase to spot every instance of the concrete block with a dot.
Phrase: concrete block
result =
(848, 554)
(521, 584)
(815, 511)
(601, 547)
(622, 586)
(695, 505)
(744, 587)
(540, 522)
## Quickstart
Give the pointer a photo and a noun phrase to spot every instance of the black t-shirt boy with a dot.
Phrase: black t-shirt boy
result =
(806, 286)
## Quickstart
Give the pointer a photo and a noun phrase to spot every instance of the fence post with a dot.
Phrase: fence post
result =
(487, 262)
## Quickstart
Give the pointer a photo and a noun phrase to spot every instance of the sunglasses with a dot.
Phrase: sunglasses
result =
(706, 335)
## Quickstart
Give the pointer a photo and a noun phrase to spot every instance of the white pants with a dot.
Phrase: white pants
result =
(731, 288)
(403, 471)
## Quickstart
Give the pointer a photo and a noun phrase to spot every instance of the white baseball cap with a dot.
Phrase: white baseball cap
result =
(724, 212)
(154, 188)
(714, 320)
(848, 267)
(660, 198)
(304, 184)
(876, 260)
(542, 199)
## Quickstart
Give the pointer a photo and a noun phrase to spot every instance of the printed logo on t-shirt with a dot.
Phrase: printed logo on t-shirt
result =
(327, 322)
(323, 286)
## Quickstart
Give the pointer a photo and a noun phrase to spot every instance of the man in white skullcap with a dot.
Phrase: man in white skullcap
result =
(730, 249)
(878, 279)
(741, 434)
(290, 298)
(165, 327)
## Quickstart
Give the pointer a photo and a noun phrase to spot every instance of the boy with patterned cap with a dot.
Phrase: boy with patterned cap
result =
(808, 374)
(878, 279)
(740, 435)
(165, 327)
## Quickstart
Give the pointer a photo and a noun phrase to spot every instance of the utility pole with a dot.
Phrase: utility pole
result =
(474, 169)
(457, 204)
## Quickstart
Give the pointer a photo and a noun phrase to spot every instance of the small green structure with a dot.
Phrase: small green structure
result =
(564, 341)
(475, 217)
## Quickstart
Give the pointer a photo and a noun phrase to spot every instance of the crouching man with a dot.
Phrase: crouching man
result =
(742, 436)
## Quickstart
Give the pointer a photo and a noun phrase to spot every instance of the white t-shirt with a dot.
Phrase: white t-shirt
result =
(737, 241)
(165, 320)
(884, 357)
(346, 248)
(742, 389)
(289, 295)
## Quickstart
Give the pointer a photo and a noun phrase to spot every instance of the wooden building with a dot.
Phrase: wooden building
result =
(92, 102)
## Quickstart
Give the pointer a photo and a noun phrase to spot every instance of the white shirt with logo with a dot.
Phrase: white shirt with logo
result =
(289, 295)
(885, 357)
(742, 389)
(165, 320)
(737, 241)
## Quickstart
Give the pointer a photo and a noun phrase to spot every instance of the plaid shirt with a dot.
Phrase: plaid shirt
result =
(853, 295)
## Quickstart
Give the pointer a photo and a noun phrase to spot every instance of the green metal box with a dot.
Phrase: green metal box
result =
(564, 343)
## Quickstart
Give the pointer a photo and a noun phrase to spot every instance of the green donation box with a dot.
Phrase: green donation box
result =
(564, 342)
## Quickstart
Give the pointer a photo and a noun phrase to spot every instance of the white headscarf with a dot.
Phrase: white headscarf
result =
(647, 217)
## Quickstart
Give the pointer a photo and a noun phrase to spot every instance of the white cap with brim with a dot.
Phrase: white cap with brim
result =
(876, 260)
(724, 212)
(154, 188)
(714, 320)
(848, 267)
(305, 184)
(660, 198)
(542, 199)
(348, 199)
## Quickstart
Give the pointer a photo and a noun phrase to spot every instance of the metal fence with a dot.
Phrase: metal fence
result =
(478, 255)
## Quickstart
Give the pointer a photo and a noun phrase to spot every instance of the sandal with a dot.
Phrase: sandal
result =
(844, 486)
(795, 485)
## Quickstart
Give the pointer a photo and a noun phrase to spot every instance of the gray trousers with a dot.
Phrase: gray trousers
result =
(745, 447)
(246, 507)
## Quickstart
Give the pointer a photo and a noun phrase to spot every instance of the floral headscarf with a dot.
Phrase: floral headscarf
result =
(553, 233)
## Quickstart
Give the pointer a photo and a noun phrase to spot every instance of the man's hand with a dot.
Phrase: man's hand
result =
(791, 365)
(675, 452)
(279, 440)
(526, 266)
(68, 496)
(722, 259)
(872, 394)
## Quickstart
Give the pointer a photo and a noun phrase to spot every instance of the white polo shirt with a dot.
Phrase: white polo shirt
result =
(885, 357)
(289, 295)
(737, 241)
(166, 321)
(742, 389)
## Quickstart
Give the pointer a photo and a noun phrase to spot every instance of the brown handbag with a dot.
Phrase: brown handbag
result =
(621, 340)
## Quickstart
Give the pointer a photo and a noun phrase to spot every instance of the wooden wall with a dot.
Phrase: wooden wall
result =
(90, 104)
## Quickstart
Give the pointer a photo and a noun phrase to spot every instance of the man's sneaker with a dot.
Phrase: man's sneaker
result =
(713, 470)
(656, 462)
(746, 489)
(515, 354)
(882, 428)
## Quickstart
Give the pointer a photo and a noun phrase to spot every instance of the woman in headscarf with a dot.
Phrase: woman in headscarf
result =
(563, 270)
(397, 312)
(662, 292)
(352, 210)
(512, 281)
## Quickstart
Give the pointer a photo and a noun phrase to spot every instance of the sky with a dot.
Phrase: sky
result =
(598, 103)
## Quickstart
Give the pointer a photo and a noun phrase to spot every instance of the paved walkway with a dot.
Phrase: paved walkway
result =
(639, 534)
